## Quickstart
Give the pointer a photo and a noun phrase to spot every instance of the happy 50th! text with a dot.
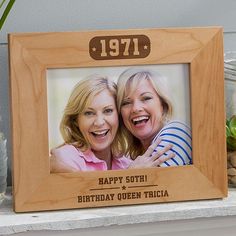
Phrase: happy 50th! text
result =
(127, 190)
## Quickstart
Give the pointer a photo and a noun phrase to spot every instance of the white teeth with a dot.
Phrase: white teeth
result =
(100, 132)
(140, 118)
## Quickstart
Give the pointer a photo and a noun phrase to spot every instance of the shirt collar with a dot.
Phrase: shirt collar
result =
(90, 157)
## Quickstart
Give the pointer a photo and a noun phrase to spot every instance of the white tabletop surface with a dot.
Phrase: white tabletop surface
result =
(11, 223)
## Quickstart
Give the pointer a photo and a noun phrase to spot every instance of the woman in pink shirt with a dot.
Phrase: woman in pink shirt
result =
(90, 129)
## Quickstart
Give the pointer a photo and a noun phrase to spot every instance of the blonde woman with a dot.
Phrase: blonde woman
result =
(146, 116)
(90, 129)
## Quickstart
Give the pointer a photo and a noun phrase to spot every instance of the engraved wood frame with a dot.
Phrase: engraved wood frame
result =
(35, 189)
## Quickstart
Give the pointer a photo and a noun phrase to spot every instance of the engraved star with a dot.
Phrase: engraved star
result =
(145, 47)
(94, 49)
(123, 188)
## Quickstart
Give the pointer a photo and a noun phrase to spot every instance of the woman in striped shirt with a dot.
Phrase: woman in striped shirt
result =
(146, 116)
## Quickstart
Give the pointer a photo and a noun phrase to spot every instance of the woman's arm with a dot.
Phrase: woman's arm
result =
(152, 158)
(58, 166)
(64, 159)
(179, 135)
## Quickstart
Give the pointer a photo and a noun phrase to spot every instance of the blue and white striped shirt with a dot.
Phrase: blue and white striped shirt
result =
(179, 135)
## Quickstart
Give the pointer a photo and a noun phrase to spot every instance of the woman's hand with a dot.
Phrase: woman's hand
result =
(152, 158)
(58, 166)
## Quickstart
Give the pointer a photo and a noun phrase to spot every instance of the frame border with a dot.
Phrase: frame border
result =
(31, 54)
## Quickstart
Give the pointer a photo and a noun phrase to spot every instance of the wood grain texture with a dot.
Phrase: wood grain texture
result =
(36, 189)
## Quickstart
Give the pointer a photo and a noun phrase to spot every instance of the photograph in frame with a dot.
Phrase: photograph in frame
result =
(171, 80)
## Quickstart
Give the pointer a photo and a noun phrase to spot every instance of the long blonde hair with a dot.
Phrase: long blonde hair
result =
(79, 99)
(129, 80)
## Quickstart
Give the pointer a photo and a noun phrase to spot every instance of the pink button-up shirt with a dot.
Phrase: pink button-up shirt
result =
(87, 161)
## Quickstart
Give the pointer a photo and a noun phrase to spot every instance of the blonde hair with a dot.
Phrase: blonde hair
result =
(79, 99)
(128, 81)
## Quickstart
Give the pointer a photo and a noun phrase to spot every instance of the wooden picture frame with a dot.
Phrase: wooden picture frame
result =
(31, 54)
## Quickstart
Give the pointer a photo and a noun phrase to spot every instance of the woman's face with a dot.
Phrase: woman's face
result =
(98, 123)
(142, 112)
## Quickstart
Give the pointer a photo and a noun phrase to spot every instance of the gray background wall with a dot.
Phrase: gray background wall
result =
(78, 15)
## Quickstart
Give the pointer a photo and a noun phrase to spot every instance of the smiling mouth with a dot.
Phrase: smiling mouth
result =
(140, 120)
(101, 133)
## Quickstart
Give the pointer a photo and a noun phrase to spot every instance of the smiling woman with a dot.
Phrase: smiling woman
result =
(89, 128)
(99, 122)
(146, 112)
